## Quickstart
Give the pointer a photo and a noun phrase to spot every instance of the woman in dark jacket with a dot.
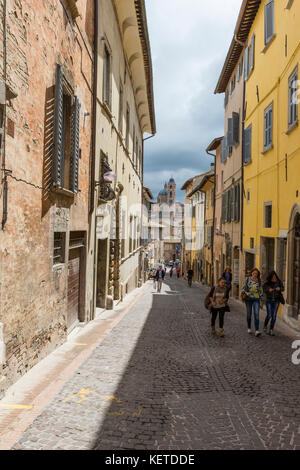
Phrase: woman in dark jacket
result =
(273, 288)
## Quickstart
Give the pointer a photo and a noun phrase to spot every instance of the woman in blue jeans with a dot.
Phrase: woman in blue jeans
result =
(253, 291)
(273, 289)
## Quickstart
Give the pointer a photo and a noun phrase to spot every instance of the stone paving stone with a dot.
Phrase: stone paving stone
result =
(160, 381)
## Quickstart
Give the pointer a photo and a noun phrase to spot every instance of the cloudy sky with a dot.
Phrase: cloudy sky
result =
(189, 43)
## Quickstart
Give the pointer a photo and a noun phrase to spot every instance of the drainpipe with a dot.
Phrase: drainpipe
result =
(214, 214)
(4, 176)
(94, 134)
(242, 166)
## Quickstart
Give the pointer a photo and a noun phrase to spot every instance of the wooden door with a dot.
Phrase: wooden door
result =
(73, 286)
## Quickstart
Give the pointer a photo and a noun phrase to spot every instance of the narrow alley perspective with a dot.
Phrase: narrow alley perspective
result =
(160, 380)
(149, 228)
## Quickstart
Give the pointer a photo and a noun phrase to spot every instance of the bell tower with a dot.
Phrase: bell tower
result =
(171, 192)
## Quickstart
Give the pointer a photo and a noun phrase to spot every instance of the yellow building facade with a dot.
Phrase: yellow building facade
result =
(271, 155)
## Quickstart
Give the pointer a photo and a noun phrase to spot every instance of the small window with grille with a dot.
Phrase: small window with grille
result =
(59, 248)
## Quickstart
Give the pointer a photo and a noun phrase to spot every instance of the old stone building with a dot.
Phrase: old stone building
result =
(75, 101)
(167, 224)
(125, 111)
(46, 116)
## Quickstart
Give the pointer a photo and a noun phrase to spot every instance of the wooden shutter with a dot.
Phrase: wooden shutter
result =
(247, 145)
(246, 63)
(223, 208)
(238, 202)
(58, 166)
(252, 54)
(230, 132)
(233, 201)
(236, 128)
(75, 146)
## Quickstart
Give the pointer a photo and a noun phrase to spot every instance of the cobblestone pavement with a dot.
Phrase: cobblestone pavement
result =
(161, 381)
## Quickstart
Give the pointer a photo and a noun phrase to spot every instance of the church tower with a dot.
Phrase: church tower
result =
(171, 192)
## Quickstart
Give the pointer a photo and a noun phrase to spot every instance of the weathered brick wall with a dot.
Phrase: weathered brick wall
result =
(33, 294)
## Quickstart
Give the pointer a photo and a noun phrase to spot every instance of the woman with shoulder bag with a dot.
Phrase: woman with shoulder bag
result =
(252, 295)
(273, 288)
(218, 304)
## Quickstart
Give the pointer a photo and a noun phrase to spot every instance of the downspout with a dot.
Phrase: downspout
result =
(242, 167)
(4, 175)
(94, 133)
(214, 214)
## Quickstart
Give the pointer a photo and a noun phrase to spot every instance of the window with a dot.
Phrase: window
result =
(136, 153)
(66, 135)
(107, 77)
(226, 98)
(269, 21)
(293, 98)
(251, 243)
(240, 70)
(121, 104)
(59, 248)
(252, 53)
(233, 131)
(247, 145)
(133, 146)
(268, 127)
(127, 125)
(268, 214)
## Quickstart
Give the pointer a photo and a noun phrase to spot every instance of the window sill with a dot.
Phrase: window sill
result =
(267, 149)
(271, 40)
(292, 127)
(63, 191)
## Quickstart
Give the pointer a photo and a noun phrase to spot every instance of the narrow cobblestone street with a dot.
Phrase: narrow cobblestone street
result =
(159, 380)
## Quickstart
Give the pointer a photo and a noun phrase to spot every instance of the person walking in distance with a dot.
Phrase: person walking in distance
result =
(252, 295)
(171, 273)
(273, 288)
(160, 275)
(218, 298)
(227, 275)
(178, 272)
(190, 275)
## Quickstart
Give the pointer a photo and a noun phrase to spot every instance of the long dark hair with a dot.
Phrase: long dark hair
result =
(272, 273)
(258, 274)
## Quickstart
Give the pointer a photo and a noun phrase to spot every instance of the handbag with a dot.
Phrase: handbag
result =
(281, 299)
(244, 296)
(207, 303)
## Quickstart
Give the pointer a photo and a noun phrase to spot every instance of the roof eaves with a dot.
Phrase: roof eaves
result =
(144, 36)
(245, 20)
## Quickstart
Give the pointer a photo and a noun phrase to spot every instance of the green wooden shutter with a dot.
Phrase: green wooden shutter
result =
(236, 128)
(247, 145)
(58, 173)
(75, 146)
(230, 132)
(252, 54)
(246, 63)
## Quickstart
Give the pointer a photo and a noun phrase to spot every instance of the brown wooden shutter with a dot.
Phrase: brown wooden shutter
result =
(58, 167)
(75, 147)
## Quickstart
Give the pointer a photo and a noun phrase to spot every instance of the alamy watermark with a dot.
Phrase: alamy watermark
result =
(296, 354)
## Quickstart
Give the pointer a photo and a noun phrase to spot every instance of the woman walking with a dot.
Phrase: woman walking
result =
(252, 294)
(273, 288)
(227, 275)
(218, 298)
